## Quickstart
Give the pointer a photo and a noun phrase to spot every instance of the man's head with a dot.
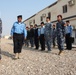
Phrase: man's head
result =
(67, 22)
(35, 26)
(42, 24)
(59, 17)
(31, 26)
(47, 19)
(27, 28)
(54, 25)
(19, 18)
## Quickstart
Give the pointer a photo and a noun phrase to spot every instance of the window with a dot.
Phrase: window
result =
(33, 21)
(49, 15)
(41, 18)
(65, 9)
(30, 23)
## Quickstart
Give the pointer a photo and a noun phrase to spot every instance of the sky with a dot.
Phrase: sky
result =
(10, 9)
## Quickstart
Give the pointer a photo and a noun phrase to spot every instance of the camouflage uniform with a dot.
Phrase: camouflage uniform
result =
(0, 35)
(60, 35)
(54, 35)
(48, 35)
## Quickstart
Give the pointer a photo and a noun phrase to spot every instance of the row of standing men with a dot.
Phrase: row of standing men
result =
(48, 33)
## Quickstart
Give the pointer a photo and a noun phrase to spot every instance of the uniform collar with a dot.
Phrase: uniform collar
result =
(19, 22)
(68, 25)
(48, 22)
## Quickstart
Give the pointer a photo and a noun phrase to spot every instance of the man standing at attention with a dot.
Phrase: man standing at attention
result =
(0, 36)
(60, 33)
(36, 39)
(54, 35)
(31, 36)
(41, 36)
(69, 30)
(48, 33)
(18, 33)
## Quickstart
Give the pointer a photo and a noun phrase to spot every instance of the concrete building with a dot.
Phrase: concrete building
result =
(64, 7)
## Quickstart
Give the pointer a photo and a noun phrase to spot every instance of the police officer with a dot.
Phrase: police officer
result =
(54, 35)
(0, 36)
(41, 36)
(28, 37)
(36, 39)
(48, 33)
(31, 35)
(60, 33)
(69, 30)
(19, 33)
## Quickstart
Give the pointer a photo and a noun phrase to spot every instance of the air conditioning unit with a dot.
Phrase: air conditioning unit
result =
(71, 2)
(43, 15)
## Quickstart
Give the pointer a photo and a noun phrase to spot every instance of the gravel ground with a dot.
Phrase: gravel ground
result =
(34, 62)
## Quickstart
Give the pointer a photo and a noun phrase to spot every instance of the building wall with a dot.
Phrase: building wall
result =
(30, 20)
(55, 10)
(38, 16)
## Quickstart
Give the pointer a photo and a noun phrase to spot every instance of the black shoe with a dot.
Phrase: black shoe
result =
(42, 50)
(66, 49)
(69, 49)
(36, 48)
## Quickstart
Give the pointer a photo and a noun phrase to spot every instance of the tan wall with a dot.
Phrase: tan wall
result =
(55, 10)
(38, 16)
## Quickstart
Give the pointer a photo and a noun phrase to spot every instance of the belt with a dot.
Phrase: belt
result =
(18, 34)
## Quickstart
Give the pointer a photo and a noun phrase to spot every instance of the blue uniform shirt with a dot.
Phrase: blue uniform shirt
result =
(19, 28)
(69, 29)
(41, 30)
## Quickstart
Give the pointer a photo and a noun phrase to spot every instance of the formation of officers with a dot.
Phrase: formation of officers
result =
(43, 36)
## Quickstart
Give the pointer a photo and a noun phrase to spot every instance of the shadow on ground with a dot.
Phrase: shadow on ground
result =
(7, 54)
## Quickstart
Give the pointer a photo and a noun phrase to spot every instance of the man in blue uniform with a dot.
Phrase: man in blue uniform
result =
(0, 36)
(48, 33)
(69, 30)
(41, 36)
(60, 33)
(19, 33)
(28, 37)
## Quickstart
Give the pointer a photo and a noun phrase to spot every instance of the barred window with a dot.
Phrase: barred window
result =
(49, 15)
(41, 18)
(65, 9)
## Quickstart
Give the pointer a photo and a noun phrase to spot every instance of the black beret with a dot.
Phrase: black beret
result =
(19, 16)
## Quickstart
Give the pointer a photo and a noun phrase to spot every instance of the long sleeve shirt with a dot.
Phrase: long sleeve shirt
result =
(41, 30)
(19, 28)
(69, 29)
(31, 33)
(48, 30)
(54, 33)
(60, 28)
